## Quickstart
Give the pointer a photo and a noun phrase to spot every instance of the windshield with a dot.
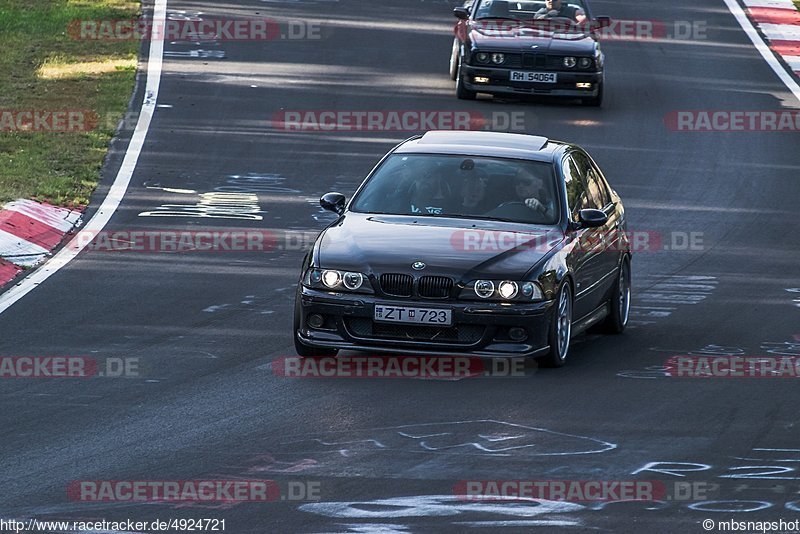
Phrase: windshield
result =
(437, 185)
(528, 11)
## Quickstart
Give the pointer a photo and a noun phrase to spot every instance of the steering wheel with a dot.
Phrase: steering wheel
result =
(510, 203)
(557, 22)
(562, 20)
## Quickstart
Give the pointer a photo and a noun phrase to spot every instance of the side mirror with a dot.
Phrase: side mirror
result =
(333, 202)
(602, 22)
(461, 13)
(592, 218)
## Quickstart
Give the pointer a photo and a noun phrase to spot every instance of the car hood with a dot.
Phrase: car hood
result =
(462, 249)
(522, 38)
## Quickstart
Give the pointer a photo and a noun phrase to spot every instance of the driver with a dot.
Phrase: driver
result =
(530, 191)
(557, 8)
(473, 193)
(428, 195)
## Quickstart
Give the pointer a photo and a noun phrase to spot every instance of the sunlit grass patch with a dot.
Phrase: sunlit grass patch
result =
(44, 68)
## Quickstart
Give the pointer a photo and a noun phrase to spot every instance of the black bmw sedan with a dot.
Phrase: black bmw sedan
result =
(533, 47)
(469, 242)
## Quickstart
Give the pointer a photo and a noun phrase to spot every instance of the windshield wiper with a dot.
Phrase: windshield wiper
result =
(484, 218)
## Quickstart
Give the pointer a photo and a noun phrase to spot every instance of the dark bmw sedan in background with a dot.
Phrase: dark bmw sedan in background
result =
(504, 47)
(484, 243)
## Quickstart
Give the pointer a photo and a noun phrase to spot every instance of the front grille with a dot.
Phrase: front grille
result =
(534, 61)
(464, 334)
(397, 285)
(542, 61)
(512, 61)
(435, 287)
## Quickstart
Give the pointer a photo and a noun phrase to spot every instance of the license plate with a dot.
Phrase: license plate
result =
(533, 77)
(403, 314)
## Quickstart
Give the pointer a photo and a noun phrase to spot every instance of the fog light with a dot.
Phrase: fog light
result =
(315, 320)
(517, 334)
(481, 79)
(583, 85)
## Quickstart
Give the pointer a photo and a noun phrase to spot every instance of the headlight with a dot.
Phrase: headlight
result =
(331, 278)
(338, 280)
(482, 57)
(585, 62)
(484, 288)
(570, 62)
(353, 281)
(497, 59)
(508, 290)
(503, 290)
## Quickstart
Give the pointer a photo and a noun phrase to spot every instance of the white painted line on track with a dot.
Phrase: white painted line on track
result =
(117, 190)
(762, 47)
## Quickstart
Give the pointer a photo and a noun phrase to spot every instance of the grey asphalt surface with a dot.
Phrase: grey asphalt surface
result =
(205, 326)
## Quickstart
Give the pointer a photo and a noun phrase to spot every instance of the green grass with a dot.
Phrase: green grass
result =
(62, 168)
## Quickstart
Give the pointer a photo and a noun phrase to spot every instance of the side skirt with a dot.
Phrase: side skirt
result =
(592, 318)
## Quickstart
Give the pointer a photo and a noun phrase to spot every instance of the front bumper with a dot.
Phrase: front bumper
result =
(479, 328)
(500, 83)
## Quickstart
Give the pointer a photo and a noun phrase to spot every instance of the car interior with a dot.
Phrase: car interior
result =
(397, 190)
(515, 10)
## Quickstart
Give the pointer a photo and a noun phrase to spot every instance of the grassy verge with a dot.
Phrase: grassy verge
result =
(43, 67)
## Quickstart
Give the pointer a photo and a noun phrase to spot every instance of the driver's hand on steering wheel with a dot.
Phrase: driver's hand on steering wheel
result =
(535, 204)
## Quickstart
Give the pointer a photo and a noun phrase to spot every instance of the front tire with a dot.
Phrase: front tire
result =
(560, 329)
(454, 61)
(620, 300)
(461, 91)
